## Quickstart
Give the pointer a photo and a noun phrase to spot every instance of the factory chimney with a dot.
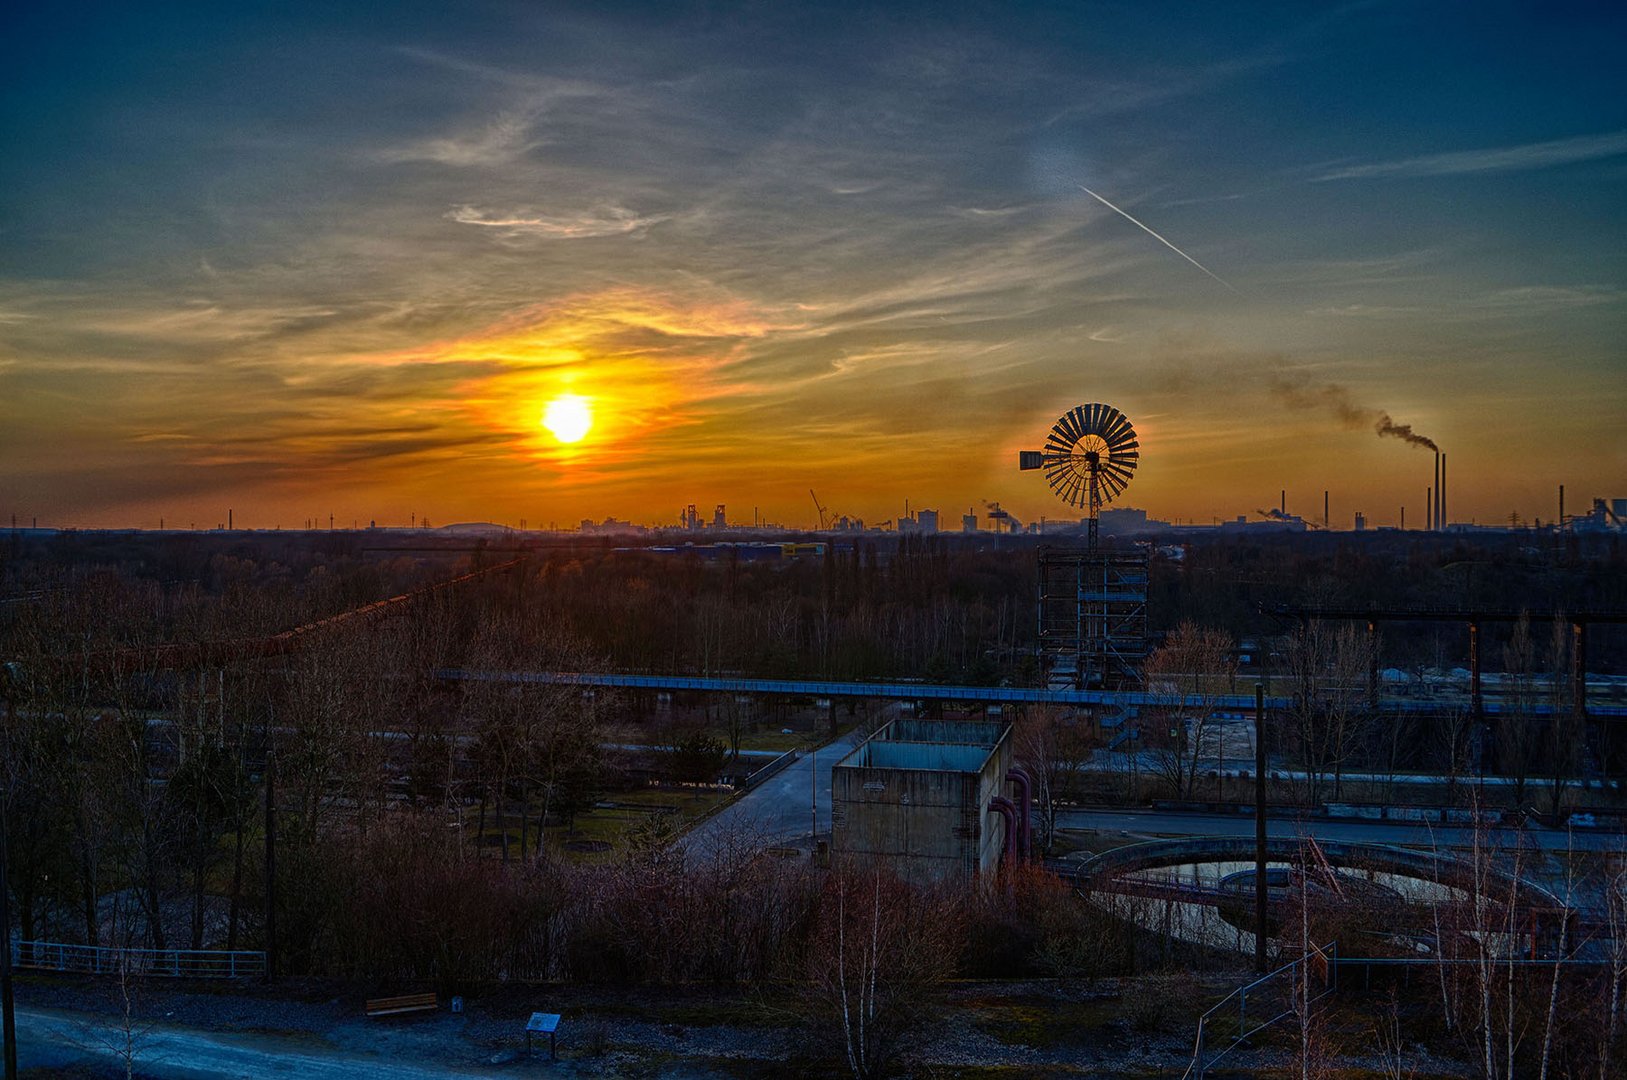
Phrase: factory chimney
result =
(1444, 518)
(1561, 506)
(1435, 507)
(228, 519)
(1324, 508)
(1429, 509)
(1282, 503)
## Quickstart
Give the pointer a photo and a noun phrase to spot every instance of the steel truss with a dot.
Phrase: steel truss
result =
(1093, 616)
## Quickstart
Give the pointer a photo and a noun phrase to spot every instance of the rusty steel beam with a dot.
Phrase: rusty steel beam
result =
(203, 654)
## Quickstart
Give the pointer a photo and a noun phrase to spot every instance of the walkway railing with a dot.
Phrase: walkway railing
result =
(1133, 700)
(169, 963)
(750, 781)
(1250, 1009)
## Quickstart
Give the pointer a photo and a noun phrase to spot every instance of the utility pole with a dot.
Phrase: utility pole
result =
(271, 861)
(1259, 829)
(7, 1003)
(813, 792)
(8, 1025)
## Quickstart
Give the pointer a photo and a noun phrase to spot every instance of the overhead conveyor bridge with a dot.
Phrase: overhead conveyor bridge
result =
(1134, 700)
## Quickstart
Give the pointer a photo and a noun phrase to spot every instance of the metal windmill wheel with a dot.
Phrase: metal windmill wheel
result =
(1088, 459)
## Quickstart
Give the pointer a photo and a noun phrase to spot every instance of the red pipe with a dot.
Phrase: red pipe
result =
(1003, 806)
(1025, 802)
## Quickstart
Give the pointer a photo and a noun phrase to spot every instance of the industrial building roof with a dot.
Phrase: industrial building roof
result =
(939, 757)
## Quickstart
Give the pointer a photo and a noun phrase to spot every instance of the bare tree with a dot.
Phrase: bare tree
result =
(1516, 742)
(1053, 745)
(880, 951)
(1187, 676)
(1328, 669)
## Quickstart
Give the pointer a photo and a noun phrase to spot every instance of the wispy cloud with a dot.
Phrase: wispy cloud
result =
(1538, 155)
(506, 137)
(601, 221)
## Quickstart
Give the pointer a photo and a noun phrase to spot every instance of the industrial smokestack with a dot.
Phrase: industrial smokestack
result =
(1324, 508)
(1282, 503)
(1435, 507)
(1561, 505)
(228, 520)
(1429, 509)
(1444, 514)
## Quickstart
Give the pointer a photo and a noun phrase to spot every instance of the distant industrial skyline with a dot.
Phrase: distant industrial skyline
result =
(566, 262)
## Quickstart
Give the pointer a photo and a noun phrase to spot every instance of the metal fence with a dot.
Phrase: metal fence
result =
(750, 781)
(1250, 1009)
(169, 963)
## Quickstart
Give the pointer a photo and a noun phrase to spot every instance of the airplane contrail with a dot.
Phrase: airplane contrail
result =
(1158, 238)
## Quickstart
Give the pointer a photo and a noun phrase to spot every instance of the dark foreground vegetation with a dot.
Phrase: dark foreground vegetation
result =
(418, 822)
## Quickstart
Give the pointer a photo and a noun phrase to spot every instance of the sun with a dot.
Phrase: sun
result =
(569, 417)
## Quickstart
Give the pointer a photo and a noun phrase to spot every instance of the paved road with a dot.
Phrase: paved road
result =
(780, 809)
(51, 1041)
(1149, 823)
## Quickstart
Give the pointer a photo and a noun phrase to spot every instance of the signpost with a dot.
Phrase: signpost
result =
(543, 1024)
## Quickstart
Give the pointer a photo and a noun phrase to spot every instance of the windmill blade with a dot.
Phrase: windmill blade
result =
(1081, 422)
(1065, 489)
(1093, 417)
(1117, 429)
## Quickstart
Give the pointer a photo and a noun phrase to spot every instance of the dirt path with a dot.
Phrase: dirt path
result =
(51, 1039)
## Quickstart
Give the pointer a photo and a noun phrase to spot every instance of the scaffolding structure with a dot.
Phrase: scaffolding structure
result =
(1093, 617)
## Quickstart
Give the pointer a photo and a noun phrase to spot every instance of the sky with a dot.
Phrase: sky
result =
(310, 259)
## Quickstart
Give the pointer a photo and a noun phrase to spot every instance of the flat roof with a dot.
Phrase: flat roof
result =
(935, 757)
(968, 732)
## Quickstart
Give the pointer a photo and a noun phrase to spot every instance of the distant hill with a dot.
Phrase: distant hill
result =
(475, 528)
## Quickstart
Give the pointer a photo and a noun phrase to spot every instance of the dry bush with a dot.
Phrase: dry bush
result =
(879, 954)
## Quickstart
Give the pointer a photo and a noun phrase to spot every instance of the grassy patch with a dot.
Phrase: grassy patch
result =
(1047, 1025)
(607, 825)
(707, 1012)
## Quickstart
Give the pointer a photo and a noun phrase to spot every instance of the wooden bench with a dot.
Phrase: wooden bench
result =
(404, 1004)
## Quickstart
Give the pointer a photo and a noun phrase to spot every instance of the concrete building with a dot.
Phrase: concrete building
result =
(927, 798)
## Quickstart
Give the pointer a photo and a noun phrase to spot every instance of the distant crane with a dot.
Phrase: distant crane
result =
(997, 515)
(819, 508)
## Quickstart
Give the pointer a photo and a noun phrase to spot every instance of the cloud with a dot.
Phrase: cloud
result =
(505, 138)
(603, 221)
(1539, 155)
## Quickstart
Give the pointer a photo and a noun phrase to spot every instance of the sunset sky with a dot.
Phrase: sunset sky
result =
(327, 258)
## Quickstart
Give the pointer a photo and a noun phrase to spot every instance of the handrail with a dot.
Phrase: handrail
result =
(110, 960)
(1328, 954)
(757, 776)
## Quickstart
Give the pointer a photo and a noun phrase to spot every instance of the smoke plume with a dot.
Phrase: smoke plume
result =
(1387, 427)
(1337, 401)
